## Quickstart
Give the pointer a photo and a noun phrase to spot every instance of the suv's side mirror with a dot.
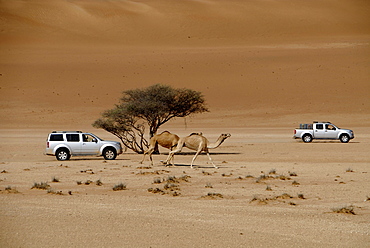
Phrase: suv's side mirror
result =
(95, 140)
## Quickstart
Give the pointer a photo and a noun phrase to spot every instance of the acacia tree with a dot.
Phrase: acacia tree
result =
(152, 107)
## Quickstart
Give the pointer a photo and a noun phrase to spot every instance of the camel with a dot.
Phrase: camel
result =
(198, 143)
(165, 139)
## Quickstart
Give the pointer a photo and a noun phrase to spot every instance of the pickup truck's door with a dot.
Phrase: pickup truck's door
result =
(331, 131)
(319, 131)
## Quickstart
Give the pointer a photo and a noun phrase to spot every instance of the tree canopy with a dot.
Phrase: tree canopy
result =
(152, 106)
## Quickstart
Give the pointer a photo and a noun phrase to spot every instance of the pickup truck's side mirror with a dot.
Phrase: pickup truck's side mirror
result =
(95, 140)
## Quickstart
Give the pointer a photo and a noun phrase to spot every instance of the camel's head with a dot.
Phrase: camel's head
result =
(225, 135)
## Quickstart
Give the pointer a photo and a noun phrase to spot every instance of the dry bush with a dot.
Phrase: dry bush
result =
(213, 196)
(184, 178)
(301, 196)
(156, 191)
(55, 180)
(209, 185)
(272, 172)
(98, 182)
(292, 174)
(157, 180)
(344, 210)
(120, 186)
(171, 186)
(42, 185)
(12, 190)
(51, 191)
(268, 188)
(350, 170)
(295, 183)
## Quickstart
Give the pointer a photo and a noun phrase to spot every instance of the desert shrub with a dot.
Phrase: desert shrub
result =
(249, 176)
(98, 182)
(10, 189)
(301, 196)
(171, 186)
(209, 185)
(42, 185)
(292, 174)
(51, 191)
(172, 179)
(344, 210)
(295, 183)
(157, 180)
(213, 195)
(350, 170)
(184, 178)
(268, 188)
(119, 186)
(272, 172)
(79, 182)
(55, 180)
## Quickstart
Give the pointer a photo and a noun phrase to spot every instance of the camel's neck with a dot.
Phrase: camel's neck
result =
(219, 141)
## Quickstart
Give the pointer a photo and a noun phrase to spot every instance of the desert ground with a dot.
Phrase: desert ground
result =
(263, 67)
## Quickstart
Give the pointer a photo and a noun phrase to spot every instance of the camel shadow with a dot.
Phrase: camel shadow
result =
(203, 154)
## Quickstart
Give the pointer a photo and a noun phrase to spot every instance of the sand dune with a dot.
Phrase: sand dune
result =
(263, 66)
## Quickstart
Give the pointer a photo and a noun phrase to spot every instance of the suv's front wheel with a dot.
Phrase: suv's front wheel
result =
(109, 153)
(62, 154)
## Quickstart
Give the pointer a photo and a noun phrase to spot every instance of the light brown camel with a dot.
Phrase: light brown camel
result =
(198, 143)
(165, 139)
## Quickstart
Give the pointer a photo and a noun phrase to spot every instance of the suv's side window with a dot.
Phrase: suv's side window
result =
(73, 137)
(319, 126)
(56, 137)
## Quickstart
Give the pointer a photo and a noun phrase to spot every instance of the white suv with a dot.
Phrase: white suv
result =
(64, 144)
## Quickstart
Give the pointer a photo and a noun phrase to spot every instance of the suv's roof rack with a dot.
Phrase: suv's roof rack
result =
(67, 132)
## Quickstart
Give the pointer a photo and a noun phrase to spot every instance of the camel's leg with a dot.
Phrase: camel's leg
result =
(150, 151)
(196, 155)
(210, 159)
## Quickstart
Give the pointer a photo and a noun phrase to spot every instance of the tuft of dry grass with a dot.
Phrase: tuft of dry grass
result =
(98, 182)
(120, 186)
(55, 180)
(268, 188)
(295, 183)
(171, 186)
(53, 192)
(344, 210)
(213, 196)
(209, 185)
(292, 174)
(42, 185)
(12, 190)
(350, 170)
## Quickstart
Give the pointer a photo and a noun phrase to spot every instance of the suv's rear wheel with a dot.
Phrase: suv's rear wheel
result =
(307, 138)
(109, 153)
(344, 138)
(62, 154)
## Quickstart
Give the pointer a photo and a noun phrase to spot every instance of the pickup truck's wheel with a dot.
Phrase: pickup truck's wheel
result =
(344, 138)
(307, 138)
(109, 153)
(62, 154)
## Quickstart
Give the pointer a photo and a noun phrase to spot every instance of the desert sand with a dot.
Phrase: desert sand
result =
(263, 67)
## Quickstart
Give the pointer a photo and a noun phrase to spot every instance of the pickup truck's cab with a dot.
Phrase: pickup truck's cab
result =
(322, 130)
(64, 144)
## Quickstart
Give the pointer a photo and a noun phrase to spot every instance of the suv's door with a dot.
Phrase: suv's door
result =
(73, 141)
(319, 131)
(90, 144)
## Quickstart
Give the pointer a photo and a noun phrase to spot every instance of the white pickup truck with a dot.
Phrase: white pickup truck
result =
(322, 130)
